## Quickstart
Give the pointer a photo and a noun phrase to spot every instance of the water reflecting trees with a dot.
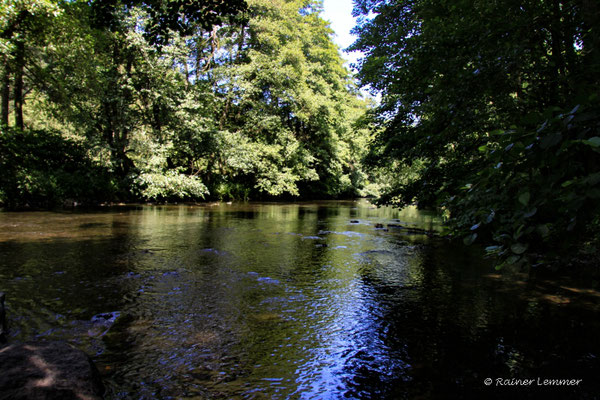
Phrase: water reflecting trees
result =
(284, 299)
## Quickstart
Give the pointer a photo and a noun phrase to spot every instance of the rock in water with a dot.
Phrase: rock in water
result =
(101, 323)
(47, 371)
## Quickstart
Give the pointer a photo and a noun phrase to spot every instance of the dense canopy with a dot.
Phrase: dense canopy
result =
(490, 112)
(176, 100)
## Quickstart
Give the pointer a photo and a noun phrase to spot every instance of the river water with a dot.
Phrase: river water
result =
(291, 301)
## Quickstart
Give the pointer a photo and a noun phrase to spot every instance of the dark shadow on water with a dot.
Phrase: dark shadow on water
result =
(456, 329)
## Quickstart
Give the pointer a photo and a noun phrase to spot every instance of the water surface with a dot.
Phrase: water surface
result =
(299, 301)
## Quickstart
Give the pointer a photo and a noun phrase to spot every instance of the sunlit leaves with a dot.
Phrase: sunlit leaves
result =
(289, 98)
(179, 101)
(170, 184)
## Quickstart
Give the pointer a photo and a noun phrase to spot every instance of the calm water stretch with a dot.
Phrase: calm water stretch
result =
(291, 301)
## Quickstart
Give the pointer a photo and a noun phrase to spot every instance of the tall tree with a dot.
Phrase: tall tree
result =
(283, 91)
(109, 80)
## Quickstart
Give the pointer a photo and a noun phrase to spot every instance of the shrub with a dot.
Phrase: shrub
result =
(42, 169)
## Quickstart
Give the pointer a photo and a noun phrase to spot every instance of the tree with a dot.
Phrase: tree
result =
(118, 79)
(473, 98)
(286, 104)
(22, 25)
(179, 99)
(168, 16)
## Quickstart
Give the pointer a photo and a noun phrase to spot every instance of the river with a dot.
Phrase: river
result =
(310, 300)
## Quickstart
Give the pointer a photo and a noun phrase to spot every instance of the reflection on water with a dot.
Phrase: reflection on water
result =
(277, 301)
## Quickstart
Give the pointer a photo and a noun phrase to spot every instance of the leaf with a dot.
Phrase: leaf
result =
(519, 248)
(593, 193)
(550, 140)
(519, 233)
(524, 198)
(475, 226)
(512, 259)
(541, 128)
(593, 141)
(530, 213)
(543, 230)
(470, 239)
(567, 183)
(592, 179)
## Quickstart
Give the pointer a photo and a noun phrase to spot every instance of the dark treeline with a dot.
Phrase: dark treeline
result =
(490, 113)
(489, 110)
(128, 100)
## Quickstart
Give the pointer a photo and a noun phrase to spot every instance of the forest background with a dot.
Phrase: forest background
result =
(175, 100)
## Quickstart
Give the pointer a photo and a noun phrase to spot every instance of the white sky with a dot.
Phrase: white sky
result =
(339, 13)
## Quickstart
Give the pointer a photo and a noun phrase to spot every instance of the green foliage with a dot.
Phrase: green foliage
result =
(288, 104)
(478, 117)
(537, 194)
(43, 169)
(187, 100)
(169, 16)
(169, 185)
(232, 191)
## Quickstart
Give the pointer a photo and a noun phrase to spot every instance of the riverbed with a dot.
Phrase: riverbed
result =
(310, 300)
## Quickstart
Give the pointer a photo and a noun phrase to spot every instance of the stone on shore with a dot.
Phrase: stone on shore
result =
(47, 371)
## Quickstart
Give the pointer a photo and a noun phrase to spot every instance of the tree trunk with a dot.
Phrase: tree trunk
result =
(569, 42)
(5, 95)
(241, 42)
(186, 69)
(557, 33)
(124, 163)
(198, 58)
(18, 88)
(213, 48)
(590, 10)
